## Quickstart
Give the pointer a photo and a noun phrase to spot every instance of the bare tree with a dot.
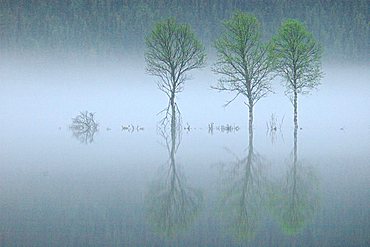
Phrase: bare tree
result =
(297, 59)
(172, 51)
(243, 61)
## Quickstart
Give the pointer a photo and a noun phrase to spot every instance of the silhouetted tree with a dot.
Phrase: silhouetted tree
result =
(172, 51)
(243, 61)
(297, 59)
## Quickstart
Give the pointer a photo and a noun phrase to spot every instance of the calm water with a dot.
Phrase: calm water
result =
(194, 188)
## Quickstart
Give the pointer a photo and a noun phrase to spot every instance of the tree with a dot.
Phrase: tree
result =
(172, 51)
(243, 61)
(297, 58)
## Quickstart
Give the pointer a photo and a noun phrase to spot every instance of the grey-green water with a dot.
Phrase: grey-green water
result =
(131, 189)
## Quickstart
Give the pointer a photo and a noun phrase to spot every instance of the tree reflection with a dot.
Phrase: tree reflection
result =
(273, 128)
(243, 193)
(295, 200)
(84, 127)
(172, 204)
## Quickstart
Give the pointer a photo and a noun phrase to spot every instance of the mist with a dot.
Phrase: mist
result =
(86, 159)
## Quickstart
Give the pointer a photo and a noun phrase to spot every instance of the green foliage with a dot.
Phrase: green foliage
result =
(242, 59)
(172, 51)
(297, 57)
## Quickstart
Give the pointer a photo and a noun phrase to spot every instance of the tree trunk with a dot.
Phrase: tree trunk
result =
(173, 109)
(295, 105)
(173, 124)
(250, 148)
(250, 121)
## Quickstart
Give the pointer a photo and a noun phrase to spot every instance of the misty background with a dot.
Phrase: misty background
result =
(112, 27)
(58, 58)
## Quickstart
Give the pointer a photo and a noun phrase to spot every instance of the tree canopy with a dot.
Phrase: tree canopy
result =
(297, 59)
(172, 51)
(243, 61)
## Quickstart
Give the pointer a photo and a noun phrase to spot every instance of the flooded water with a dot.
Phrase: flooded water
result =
(133, 183)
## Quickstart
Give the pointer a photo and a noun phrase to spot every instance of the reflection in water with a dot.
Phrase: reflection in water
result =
(84, 127)
(131, 128)
(294, 202)
(243, 198)
(273, 128)
(172, 205)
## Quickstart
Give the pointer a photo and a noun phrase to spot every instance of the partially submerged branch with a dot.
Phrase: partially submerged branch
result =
(84, 127)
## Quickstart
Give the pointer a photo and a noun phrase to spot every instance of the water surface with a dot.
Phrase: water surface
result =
(113, 191)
